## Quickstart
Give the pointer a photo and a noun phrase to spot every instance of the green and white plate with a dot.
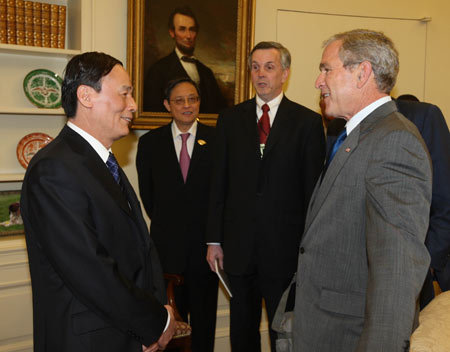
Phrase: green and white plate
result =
(43, 88)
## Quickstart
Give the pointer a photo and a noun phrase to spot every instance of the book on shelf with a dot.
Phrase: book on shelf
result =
(20, 22)
(54, 9)
(37, 24)
(28, 17)
(3, 26)
(61, 39)
(45, 20)
(11, 22)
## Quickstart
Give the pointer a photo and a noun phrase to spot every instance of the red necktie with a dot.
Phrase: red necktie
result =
(264, 124)
(184, 156)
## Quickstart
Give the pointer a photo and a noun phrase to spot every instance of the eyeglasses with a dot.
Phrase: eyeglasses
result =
(182, 100)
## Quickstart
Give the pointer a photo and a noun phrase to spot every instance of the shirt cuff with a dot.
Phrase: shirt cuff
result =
(213, 243)
(168, 322)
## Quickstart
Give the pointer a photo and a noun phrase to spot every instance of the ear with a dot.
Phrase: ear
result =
(285, 75)
(172, 33)
(166, 104)
(363, 73)
(84, 95)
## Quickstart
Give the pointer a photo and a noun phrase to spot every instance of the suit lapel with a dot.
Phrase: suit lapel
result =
(348, 147)
(97, 167)
(250, 125)
(197, 151)
(168, 148)
(278, 126)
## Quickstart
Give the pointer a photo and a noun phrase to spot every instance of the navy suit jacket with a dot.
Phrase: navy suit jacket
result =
(431, 124)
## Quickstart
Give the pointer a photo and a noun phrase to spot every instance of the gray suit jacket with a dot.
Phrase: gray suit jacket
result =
(362, 259)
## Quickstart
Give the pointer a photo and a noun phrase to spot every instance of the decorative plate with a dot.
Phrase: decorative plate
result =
(30, 145)
(43, 88)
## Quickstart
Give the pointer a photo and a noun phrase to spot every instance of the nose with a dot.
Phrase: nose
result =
(320, 80)
(186, 102)
(132, 104)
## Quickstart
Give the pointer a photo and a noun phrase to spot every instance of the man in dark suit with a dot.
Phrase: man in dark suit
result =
(175, 196)
(96, 278)
(362, 258)
(268, 155)
(183, 28)
(431, 124)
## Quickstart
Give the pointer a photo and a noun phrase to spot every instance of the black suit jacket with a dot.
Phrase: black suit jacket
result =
(258, 205)
(431, 124)
(177, 210)
(96, 279)
(169, 68)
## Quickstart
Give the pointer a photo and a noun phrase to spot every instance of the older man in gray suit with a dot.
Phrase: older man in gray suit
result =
(362, 258)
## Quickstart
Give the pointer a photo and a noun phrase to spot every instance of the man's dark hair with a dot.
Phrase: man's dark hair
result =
(84, 69)
(182, 10)
(173, 83)
(409, 97)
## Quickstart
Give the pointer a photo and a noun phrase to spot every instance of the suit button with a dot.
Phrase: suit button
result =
(302, 250)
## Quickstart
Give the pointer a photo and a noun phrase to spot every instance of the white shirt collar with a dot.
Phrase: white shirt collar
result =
(98, 147)
(362, 114)
(176, 132)
(273, 103)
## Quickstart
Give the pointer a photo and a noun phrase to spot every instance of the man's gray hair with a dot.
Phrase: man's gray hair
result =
(285, 56)
(361, 45)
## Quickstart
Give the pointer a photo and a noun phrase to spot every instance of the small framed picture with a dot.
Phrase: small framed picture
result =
(10, 218)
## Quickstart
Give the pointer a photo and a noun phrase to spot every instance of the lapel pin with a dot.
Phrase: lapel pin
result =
(347, 150)
(201, 142)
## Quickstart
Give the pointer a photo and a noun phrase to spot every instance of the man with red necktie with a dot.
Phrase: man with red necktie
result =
(269, 153)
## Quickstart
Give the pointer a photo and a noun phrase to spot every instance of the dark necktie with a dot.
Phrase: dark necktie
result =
(188, 59)
(264, 124)
(184, 156)
(113, 167)
(340, 139)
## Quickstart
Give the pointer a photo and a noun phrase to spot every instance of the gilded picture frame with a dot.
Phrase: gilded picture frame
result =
(141, 36)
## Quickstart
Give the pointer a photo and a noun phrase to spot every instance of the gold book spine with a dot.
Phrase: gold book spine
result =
(45, 18)
(53, 26)
(3, 26)
(20, 22)
(37, 23)
(61, 26)
(29, 39)
(11, 22)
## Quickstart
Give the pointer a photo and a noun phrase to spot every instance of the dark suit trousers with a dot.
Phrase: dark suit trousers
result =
(246, 305)
(197, 299)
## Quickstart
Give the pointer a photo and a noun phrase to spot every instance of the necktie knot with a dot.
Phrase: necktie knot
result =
(113, 167)
(265, 108)
(184, 137)
(188, 59)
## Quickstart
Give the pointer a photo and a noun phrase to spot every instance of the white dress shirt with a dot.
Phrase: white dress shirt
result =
(362, 114)
(177, 141)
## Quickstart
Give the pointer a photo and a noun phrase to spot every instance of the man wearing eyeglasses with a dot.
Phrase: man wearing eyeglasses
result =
(174, 165)
(183, 29)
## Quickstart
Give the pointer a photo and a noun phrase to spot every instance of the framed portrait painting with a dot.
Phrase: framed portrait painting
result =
(205, 40)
